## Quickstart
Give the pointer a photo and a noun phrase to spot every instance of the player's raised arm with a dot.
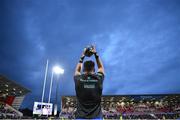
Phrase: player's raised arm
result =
(79, 65)
(89, 86)
(98, 61)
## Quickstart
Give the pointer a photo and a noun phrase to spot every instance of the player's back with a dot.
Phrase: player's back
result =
(88, 91)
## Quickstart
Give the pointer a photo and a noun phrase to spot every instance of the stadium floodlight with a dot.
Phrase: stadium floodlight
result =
(58, 70)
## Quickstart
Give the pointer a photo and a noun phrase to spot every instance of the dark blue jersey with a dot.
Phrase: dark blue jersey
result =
(88, 92)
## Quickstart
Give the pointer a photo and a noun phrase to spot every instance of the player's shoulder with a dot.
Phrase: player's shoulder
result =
(77, 76)
(100, 74)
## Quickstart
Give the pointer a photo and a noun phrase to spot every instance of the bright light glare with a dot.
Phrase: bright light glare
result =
(58, 70)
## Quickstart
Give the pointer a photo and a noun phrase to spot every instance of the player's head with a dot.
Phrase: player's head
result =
(88, 66)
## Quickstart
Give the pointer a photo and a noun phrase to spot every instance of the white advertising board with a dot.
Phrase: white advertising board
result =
(42, 108)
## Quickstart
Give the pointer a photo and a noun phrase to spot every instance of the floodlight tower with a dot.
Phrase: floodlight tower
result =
(57, 70)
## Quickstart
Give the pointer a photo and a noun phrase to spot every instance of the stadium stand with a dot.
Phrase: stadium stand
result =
(11, 97)
(165, 106)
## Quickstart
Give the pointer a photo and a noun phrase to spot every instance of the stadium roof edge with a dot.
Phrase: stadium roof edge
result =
(3, 77)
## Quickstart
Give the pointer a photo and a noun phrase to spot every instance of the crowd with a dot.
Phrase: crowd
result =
(68, 111)
(148, 110)
(153, 110)
(7, 113)
(116, 110)
(152, 116)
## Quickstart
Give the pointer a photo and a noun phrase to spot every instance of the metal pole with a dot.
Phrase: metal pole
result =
(57, 88)
(52, 74)
(57, 93)
(61, 106)
(44, 85)
(50, 87)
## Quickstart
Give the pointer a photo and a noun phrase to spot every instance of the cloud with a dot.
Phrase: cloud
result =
(138, 42)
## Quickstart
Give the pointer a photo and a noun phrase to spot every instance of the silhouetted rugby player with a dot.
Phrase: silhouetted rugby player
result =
(89, 87)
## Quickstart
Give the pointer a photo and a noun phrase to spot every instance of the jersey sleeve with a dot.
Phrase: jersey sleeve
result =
(100, 75)
(77, 77)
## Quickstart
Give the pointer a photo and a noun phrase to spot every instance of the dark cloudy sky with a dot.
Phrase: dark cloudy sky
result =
(138, 41)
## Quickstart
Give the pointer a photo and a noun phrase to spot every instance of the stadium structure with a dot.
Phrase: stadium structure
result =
(11, 97)
(147, 106)
(157, 106)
